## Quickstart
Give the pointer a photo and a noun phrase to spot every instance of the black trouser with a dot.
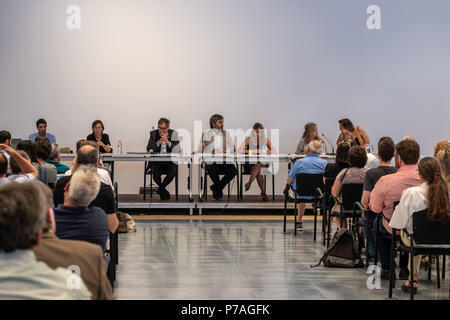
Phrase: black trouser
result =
(384, 249)
(228, 170)
(167, 168)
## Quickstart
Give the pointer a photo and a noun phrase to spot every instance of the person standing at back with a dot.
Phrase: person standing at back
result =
(41, 126)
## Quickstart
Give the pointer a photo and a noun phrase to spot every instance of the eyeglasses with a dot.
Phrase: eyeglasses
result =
(160, 128)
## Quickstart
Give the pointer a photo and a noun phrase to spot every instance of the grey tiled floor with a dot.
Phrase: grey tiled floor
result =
(239, 260)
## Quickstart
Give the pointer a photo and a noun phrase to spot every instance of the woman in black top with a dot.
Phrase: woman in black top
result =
(102, 139)
(333, 169)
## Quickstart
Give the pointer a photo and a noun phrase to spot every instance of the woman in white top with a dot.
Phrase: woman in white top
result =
(432, 195)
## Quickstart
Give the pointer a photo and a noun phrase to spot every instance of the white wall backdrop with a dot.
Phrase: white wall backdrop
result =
(282, 63)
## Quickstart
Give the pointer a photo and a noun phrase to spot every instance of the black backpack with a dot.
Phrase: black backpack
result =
(343, 252)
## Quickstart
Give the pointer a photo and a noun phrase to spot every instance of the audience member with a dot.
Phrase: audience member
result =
(55, 160)
(388, 190)
(311, 164)
(386, 151)
(101, 170)
(433, 195)
(41, 126)
(29, 173)
(99, 137)
(46, 172)
(22, 218)
(5, 138)
(441, 145)
(88, 155)
(311, 133)
(333, 169)
(14, 166)
(443, 156)
(28, 147)
(355, 174)
(88, 257)
(75, 219)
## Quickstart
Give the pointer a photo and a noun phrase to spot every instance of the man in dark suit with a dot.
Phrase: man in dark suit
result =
(86, 256)
(163, 140)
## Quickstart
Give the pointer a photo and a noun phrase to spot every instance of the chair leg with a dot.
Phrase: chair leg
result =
(295, 218)
(315, 221)
(176, 186)
(285, 212)
(329, 229)
(273, 187)
(392, 269)
(411, 274)
(240, 184)
(145, 177)
(229, 188)
(437, 272)
(443, 265)
(429, 269)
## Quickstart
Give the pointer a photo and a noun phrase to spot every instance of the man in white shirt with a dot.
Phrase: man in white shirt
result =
(23, 214)
(217, 140)
(29, 172)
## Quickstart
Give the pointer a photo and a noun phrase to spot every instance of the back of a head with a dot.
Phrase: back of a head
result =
(15, 169)
(357, 157)
(87, 155)
(3, 164)
(54, 154)
(43, 148)
(342, 152)
(4, 136)
(409, 151)
(214, 118)
(441, 145)
(22, 215)
(409, 138)
(28, 147)
(315, 147)
(386, 149)
(84, 186)
(82, 143)
(443, 156)
(437, 196)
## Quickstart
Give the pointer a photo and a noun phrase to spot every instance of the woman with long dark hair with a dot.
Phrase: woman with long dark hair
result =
(355, 135)
(432, 195)
(311, 133)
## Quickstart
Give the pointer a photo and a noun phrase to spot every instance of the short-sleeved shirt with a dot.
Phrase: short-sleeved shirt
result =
(373, 175)
(50, 174)
(104, 199)
(60, 168)
(49, 136)
(352, 175)
(105, 140)
(216, 136)
(412, 200)
(311, 163)
(82, 223)
(20, 178)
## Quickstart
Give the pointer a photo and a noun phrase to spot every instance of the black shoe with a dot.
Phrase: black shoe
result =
(408, 289)
(404, 274)
(299, 226)
(385, 275)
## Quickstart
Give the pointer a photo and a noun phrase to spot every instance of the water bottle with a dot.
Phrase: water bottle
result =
(163, 148)
(324, 148)
(119, 145)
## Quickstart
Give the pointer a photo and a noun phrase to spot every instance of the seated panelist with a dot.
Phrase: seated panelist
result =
(102, 139)
(162, 141)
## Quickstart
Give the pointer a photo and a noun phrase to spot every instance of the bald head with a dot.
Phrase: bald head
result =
(314, 147)
(87, 155)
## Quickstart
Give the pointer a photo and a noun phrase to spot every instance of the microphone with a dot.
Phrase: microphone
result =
(332, 147)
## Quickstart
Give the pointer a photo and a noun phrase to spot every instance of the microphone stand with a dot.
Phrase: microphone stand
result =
(332, 147)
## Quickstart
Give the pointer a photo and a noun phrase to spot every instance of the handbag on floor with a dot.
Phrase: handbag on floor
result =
(126, 223)
(343, 252)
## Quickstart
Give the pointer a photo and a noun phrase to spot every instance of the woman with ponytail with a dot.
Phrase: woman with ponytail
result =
(433, 195)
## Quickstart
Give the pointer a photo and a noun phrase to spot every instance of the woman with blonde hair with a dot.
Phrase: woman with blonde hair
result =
(311, 133)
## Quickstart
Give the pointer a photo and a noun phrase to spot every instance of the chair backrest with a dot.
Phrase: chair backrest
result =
(429, 232)
(351, 192)
(307, 184)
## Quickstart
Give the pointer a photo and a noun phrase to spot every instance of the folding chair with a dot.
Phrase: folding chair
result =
(245, 169)
(306, 186)
(148, 170)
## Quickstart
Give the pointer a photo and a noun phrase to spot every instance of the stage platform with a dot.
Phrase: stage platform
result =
(250, 203)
